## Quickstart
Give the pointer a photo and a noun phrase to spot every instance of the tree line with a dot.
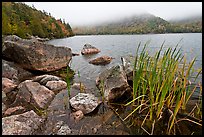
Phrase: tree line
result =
(22, 20)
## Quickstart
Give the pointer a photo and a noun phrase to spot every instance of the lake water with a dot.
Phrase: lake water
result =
(115, 46)
(118, 46)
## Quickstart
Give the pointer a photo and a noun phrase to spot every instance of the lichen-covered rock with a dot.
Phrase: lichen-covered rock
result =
(34, 55)
(103, 60)
(22, 124)
(89, 49)
(84, 102)
(113, 83)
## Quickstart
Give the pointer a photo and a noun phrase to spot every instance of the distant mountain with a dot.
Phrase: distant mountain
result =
(23, 20)
(190, 19)
(139, 24)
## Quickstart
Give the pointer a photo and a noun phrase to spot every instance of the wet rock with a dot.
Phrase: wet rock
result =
(13, 72)
(64, 130)
(89, 49)
(56, 86)
(22, 124)
(8, 85)
(79, 86)
(77, 116)
(103, 60)
(33, 55)
(84, 102)
(113, 82)
(35, 94)
(14, 111)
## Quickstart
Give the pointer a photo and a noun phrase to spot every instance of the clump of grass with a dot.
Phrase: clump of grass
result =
(80, 84)
(68, 86)
(160, 85)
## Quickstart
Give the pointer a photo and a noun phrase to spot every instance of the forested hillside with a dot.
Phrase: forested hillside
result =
(140, 24)
(23, 20)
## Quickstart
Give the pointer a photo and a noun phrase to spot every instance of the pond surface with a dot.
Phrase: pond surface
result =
(103, 120)
(118, 46)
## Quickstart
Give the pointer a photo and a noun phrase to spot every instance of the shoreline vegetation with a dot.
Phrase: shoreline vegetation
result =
(161, 90)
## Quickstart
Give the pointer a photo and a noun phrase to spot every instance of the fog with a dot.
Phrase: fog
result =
(89, 13)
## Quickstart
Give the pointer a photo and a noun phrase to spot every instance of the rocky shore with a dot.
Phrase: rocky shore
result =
(28, 91)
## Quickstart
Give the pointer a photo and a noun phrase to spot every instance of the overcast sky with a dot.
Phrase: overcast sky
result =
(84, 13)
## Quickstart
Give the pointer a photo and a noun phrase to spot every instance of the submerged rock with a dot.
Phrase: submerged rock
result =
(103, 60)
(113, 83)
(88, 49)
(84, 102)
(22, 124)
(34, 55)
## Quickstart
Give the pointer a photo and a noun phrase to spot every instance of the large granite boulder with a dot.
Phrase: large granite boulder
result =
(84, 102)
(34, 55)
(89, 49)
(103, 60)
(113, 83)
(23, 124)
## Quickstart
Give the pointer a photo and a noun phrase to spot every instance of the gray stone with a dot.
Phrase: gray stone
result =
(22, 124)
(84, 102)
(113, 83)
